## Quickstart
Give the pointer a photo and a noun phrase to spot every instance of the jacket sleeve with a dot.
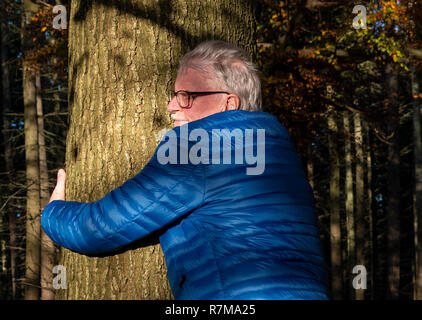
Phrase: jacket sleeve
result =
(154, 198)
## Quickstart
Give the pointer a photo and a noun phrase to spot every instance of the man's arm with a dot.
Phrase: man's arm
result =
(154, 198)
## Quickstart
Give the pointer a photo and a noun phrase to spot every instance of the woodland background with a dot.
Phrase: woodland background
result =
(350, 98)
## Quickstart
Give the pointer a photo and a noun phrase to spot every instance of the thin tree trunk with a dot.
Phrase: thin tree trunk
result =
(310, 167)
(335, 230)
(56, 96)
(13, 251)
(393, 210)
(33, 225)
(3, 258)
(6, 107)
(417, 145)
(360, 200)
(47, 246)
(369, 210)
(350, 214)
(122, 62)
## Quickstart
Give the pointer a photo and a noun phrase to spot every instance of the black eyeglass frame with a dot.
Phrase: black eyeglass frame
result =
(192, 94)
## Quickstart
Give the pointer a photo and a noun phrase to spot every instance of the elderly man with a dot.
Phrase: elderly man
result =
(226, 233)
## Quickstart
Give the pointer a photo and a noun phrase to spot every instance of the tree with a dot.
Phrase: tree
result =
(393, 185)
(417, 141)
(123, 60)
(33, 223)
(335, 229)
(349, 205)
(360, 198)
(6, 107)
(47, 258)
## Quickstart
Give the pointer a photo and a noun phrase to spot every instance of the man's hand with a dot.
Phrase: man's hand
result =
(59, 190)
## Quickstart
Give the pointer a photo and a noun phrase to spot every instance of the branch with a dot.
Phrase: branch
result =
(55, 113)
(415, 52)
(314, 5)
(10, 197)
(377, 134)
(13, 114)
(45, 4)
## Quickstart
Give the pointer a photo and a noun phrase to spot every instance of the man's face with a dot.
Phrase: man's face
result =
(200, 106)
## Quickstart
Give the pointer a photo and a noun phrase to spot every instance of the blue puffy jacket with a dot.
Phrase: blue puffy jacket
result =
(225, 234)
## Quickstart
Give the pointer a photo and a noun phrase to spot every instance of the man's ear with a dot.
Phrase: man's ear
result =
(232, 103)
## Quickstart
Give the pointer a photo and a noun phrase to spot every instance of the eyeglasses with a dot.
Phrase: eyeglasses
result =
(184, 97)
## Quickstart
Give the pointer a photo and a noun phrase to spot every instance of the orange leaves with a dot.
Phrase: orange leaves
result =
(45, 40)
(279, 19)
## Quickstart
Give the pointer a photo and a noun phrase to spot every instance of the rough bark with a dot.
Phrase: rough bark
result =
(349, 205)
(371, 220)
(47, 246)
(360, 199)
(417, 145)
(393, 210)
(33, 192)
(335, 230)
(33, 225)
(3, 257)
(123, 58)
(5, 107)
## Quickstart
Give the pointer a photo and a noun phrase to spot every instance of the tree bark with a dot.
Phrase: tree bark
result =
(33, 225)
(393, 210)
(371, 220)
(47, 246)
(417, 145)
(8, 159)
(3, 258)
(350, 212)
(335, 228)
(360, 199)
(123, 58)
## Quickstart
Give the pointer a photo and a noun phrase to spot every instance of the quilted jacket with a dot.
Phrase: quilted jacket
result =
(225, 234)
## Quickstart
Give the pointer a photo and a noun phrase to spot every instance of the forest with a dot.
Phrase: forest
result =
(84, 87)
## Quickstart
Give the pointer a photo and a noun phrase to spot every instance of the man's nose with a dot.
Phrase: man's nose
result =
(173, 105)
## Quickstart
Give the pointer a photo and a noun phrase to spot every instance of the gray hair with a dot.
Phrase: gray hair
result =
(232, 69)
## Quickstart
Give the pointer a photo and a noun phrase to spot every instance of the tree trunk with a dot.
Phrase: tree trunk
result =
(393, 210)
(47, 246)
(417, 145)
(123, 59)
(8, 160)
(371, 226)
(350, 213)
(360, 200)
(56, 96)
(335, 230)
(3, 259)
(33, 225)
(310, 167)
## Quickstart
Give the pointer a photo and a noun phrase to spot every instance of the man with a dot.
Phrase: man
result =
(226, 233)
